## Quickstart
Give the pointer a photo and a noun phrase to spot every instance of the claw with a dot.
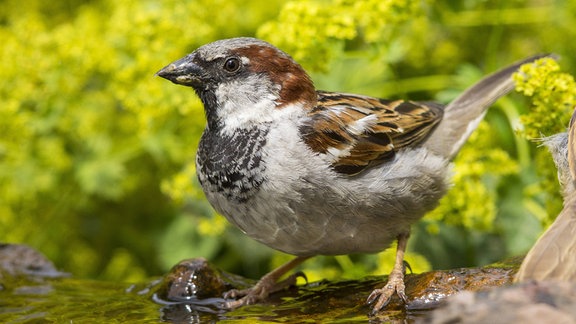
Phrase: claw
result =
(406, 266)
(234, 293)
(267, 285)
(380, 298)
(380, 295)
(300, 274)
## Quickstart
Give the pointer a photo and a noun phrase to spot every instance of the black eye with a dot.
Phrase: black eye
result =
(232, 64)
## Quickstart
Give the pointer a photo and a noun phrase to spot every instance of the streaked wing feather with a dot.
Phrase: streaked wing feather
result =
(361, 131)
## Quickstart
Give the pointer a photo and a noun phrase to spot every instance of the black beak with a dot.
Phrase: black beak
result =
(184, 72)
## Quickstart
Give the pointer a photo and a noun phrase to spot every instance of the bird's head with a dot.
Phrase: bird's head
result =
(242, 78)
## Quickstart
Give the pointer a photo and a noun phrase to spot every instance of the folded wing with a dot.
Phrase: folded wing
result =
(358, 131)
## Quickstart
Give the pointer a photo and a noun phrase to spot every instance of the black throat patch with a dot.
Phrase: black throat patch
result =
(231, 164)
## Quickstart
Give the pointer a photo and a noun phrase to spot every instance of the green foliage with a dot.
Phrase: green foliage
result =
(316, 31)
(553, 96)
(96, 154)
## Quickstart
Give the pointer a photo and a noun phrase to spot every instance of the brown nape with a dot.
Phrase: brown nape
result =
(296, 85)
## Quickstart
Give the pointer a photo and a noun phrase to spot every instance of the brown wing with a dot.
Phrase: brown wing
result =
(360, 131)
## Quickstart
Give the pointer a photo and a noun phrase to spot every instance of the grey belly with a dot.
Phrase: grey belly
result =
(327, 221)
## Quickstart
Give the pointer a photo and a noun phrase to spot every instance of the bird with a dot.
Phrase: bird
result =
(553, 256)
(311, 172)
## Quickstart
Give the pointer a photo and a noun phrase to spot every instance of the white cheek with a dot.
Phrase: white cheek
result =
(244, 104)
(252, 102)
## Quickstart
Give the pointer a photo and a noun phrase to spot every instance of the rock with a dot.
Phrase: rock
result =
(429, 289)
(194, 287)
(19, 259)
(529, 302)
(194, 279)
(23, 270)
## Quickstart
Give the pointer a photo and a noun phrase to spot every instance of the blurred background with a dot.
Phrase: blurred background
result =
(97, 154)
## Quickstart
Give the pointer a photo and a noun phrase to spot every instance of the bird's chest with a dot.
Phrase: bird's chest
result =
(230, 166)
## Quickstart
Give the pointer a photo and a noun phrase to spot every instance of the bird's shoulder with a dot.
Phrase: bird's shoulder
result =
(360, 131)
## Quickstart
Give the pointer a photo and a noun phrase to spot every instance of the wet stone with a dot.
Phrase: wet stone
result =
(529, 302)
(19, 259)
(430, 289)
(25, 271)
(194, 288)
(194, 279)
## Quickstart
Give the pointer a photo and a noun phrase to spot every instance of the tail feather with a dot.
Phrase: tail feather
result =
(463, 114)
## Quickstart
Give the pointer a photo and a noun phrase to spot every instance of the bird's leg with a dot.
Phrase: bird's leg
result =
(381, 296)
(266, 285)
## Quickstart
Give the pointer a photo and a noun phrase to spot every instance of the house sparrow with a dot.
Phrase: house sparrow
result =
(553, 256)
(312, 172)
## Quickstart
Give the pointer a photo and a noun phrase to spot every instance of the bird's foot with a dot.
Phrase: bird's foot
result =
(259, 292)
(380, 297)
